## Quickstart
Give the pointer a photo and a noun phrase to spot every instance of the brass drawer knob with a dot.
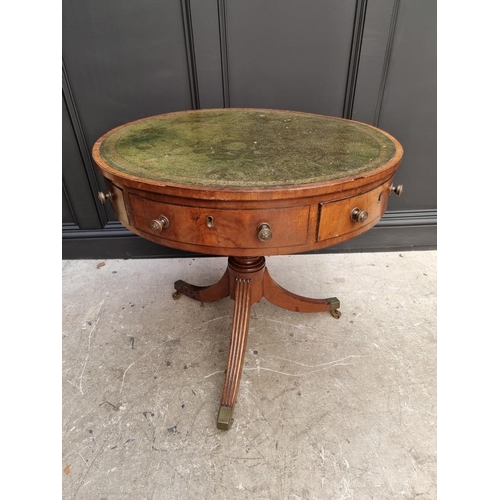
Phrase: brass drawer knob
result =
(159, 224)
(397, 190)
(358, 215)
(264, 232)
(103, 198)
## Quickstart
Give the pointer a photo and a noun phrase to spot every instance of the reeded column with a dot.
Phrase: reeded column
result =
(245, 287)
(237, 346)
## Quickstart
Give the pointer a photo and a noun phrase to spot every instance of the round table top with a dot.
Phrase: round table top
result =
(245, 148)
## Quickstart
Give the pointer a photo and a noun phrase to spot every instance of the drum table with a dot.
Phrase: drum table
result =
(246, 183)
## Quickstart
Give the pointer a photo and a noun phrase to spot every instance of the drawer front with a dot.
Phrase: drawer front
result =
(224, 228)
(336, 218)
(117, 202)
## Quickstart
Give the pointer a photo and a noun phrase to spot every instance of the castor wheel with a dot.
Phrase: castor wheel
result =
(176, 295)
(334, 307)
(336, 314)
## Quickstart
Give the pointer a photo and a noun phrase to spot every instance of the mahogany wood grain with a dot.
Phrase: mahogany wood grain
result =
(298, 224)
(335, 216)
(211, 293)
(285, 299)
(118, 203)
(222, 228)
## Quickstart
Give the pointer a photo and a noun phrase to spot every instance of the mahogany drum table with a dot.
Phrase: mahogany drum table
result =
(246, 183)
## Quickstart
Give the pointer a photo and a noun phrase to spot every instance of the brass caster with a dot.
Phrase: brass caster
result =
(334, 307)
(224, 419)
(336, 313)
(176, 295)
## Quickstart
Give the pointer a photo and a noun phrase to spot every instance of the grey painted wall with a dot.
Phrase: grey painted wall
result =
(372, 61)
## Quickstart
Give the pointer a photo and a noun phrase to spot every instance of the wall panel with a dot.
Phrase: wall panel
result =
(374, 61)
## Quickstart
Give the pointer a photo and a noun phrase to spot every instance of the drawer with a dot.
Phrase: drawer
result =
(223, 228)
(117, 202)
(337, 218)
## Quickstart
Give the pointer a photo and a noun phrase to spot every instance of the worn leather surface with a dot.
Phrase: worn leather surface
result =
(246, 148)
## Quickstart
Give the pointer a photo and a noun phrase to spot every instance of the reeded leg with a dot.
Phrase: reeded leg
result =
(211, 293)
(280, 297)
(239, 332)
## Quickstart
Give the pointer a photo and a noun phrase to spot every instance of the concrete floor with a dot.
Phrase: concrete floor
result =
(327, 409)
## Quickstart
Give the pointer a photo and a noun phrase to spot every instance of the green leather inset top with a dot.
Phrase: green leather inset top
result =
(245, 148)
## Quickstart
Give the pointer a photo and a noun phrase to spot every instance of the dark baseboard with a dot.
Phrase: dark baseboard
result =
(396, 231)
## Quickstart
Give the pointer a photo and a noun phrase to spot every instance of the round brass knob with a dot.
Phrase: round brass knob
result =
(397, 190)
(104, 197)
(358, 215)
(264, 232)
(159, 224)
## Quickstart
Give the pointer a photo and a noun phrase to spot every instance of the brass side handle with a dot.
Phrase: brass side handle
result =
(264, 232)
(358, 215)
(103, 198)
(159, 224)
(397, 190)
